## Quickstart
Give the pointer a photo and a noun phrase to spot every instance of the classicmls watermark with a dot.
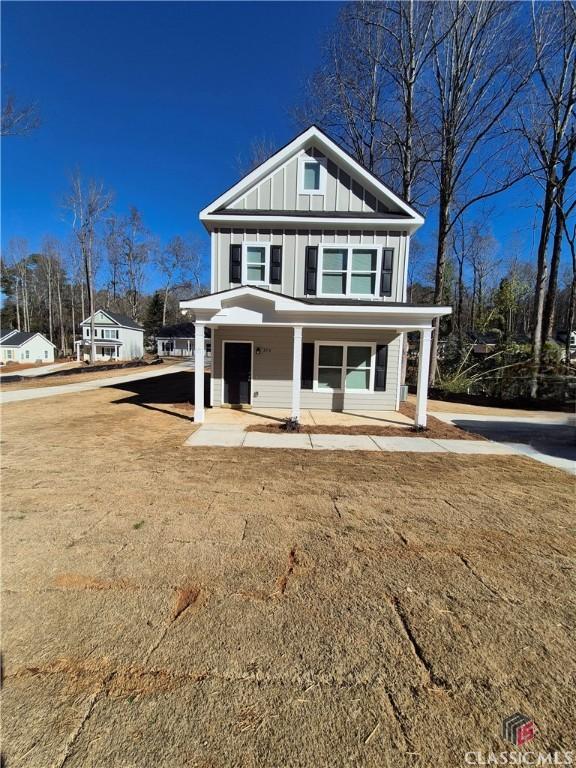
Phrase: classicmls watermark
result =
(520, 730)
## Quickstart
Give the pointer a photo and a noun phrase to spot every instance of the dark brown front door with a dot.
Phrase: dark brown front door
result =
(237, 372)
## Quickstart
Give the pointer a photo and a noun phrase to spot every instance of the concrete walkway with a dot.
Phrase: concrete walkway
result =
(40, 370)
(20, 395)
(225, 436)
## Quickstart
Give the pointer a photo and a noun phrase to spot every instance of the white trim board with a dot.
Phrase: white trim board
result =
(321, 141)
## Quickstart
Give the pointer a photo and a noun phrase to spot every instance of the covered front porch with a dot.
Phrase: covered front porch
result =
(106, 349)
(242, 418)
(297, 356)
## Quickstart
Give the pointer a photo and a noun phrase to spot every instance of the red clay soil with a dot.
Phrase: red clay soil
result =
(436, 429)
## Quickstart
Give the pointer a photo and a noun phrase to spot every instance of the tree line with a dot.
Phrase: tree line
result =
(452, 104)
(105, 263)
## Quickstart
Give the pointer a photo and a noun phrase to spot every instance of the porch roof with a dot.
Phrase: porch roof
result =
(251, 305)
(99, 342)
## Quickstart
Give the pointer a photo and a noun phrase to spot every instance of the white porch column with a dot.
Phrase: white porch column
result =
(199, 372)
(422, 384)
(296, 371)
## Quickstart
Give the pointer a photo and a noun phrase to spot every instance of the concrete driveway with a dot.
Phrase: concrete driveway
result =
(549, 438)
(66, 389)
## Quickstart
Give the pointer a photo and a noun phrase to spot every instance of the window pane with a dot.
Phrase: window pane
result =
(363, 260)
(330, 355)
(358, 357)
(312, 176)
(357, 379)
(334, 283)
(255, 274)
(334, 259)
(255, 255)
(362, 284)
(329, 378)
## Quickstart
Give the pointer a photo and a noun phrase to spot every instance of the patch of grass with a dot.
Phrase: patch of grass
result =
(138, 525)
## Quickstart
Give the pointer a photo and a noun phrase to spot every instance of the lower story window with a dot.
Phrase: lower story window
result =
(344, 367)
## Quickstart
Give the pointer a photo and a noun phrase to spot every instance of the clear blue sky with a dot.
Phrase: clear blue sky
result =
(158, 100)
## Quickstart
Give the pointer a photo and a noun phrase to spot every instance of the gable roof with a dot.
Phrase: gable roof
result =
(18, 338)
(218, 210)
(116, 317)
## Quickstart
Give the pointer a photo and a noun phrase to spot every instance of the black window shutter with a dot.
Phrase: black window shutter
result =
(276, 265)
(381, 366)
(307, 365)
(386, 274)
(311, 271)
(235, 263)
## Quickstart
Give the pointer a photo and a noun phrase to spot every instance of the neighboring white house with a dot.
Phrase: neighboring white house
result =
(23, 347)
(178, 340)
(116, 337)
(309, 262)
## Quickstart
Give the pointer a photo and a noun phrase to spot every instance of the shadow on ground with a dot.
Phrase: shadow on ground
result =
(550, 439)
(174, 389)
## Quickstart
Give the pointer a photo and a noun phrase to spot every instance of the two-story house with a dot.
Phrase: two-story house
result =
(116, 337)
(309, 257)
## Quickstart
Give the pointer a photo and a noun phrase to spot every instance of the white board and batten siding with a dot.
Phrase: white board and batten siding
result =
(272, 368)
(294, 244)
(279, 191)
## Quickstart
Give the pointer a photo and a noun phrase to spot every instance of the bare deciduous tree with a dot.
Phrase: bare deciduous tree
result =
(179, 262)
(479, 70)
(87, 204)
(130, 247)
(546, 131)
(261, 148)
(18, 119)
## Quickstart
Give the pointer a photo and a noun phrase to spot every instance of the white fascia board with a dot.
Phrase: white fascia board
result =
(368, 178)
(332, 222)
(214, 300)
(205, 306)
(17, 346)
(259, 172)
(87, 321)
(325, 144)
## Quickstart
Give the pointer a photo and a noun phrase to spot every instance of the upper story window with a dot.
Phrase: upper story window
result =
(256, 264)
(110, 333)
(350, 271)
(312, 175)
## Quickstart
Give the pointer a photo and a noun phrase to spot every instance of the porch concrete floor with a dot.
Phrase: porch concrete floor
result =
(244, 418)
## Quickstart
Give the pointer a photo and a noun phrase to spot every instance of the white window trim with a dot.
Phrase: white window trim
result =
(266, 247)
(349, 248)
(344, 345)
(322, 162)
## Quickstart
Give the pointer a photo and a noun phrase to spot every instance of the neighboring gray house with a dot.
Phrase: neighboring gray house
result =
(178, 340)
(26, 347)
(116, 337)
(309, 260)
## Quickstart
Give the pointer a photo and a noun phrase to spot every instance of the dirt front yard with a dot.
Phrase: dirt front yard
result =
(174, 606)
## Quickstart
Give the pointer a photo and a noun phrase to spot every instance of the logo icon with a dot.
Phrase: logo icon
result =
(518, 729)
